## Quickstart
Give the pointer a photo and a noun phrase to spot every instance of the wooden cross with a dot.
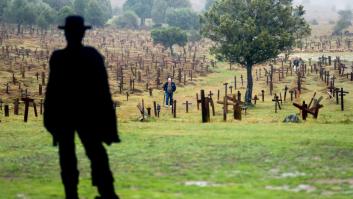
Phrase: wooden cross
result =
(7, 88)
(331, 91)
(174, 108)
(158, 110)
(16, 106)
(314, 110)
(127, 96)
(242, 80)
(204, 109)
(255, 99)
(342, 93)
(277, 104)
(27, 101)
(225, 89)
(149, 111)
(239, 97)
(304, 109)
(150, 91)
(187, 103)
(231, 89)
(6, 110)
(210, 94)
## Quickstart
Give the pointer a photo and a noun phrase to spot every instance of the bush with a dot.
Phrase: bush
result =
(128, 20)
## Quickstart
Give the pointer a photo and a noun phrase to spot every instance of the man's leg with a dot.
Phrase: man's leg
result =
(166, 99)
(171, 99)
(102, 177)
(68, 163)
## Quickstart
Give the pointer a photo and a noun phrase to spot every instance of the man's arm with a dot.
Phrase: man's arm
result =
(174, 87)
(48, 114)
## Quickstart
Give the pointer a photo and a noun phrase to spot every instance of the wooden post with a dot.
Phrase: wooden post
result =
(187, 103)
(41, 107)
(203, 107)
(225, 110)
(158, 110)
(304, 111)
(16, 106)
(197, 101)
(43, 78)
(155, 108)
(285, 92)
(149, 111)
(174, 108)
(26, 110)
(237, 111)
(342, 94)
(7, 110)
(225, 89)
(40, 89)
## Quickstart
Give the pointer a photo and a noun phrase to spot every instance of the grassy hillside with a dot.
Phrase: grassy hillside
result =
(167, 158)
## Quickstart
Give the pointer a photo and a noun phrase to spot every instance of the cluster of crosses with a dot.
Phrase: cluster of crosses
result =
(133, 62)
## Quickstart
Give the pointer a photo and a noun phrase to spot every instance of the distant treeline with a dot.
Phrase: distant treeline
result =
(132, 15)
(44, 13)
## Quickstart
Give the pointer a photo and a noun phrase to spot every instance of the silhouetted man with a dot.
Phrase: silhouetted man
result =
(78, 99)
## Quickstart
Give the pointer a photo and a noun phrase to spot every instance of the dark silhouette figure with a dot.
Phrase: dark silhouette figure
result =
(78, 100)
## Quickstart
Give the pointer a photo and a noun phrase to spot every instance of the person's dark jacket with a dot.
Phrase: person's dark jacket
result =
(78, 95)
(165, 87)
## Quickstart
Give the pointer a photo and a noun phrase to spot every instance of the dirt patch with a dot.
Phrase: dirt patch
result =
(334, 181)
(299, 188)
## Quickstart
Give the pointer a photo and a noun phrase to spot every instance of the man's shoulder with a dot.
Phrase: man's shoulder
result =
(91, 50)
(57, 53)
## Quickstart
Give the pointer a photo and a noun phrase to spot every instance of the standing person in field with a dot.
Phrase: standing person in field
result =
(169, 88)
(78, 100)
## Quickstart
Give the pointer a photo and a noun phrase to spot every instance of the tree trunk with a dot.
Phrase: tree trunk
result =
(249, 87)
(18, 28)
(143, 22)
(171, 50)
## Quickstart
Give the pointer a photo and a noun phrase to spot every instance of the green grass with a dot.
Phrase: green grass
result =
(156, 159)
(259, 157)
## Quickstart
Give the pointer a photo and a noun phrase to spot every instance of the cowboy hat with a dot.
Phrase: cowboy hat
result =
(74, 22)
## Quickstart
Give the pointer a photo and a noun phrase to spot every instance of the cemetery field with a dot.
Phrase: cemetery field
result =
(166, 157)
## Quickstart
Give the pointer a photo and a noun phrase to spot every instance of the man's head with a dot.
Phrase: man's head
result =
(169, 80)
(74, 29)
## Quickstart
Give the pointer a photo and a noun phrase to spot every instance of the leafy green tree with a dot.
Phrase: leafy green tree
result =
(80, 7)
(128, 20)
(179, 3)
(63, 13)
(20, 12)
(58, 4)
(183, 18)
(45, 15)
(344, 21)
(142, 8)
(168, 37)
(251, 32)
(208, 4)
(95, 14)
(106, 6)
(158, 11)
(3, 6)
(194, 36)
